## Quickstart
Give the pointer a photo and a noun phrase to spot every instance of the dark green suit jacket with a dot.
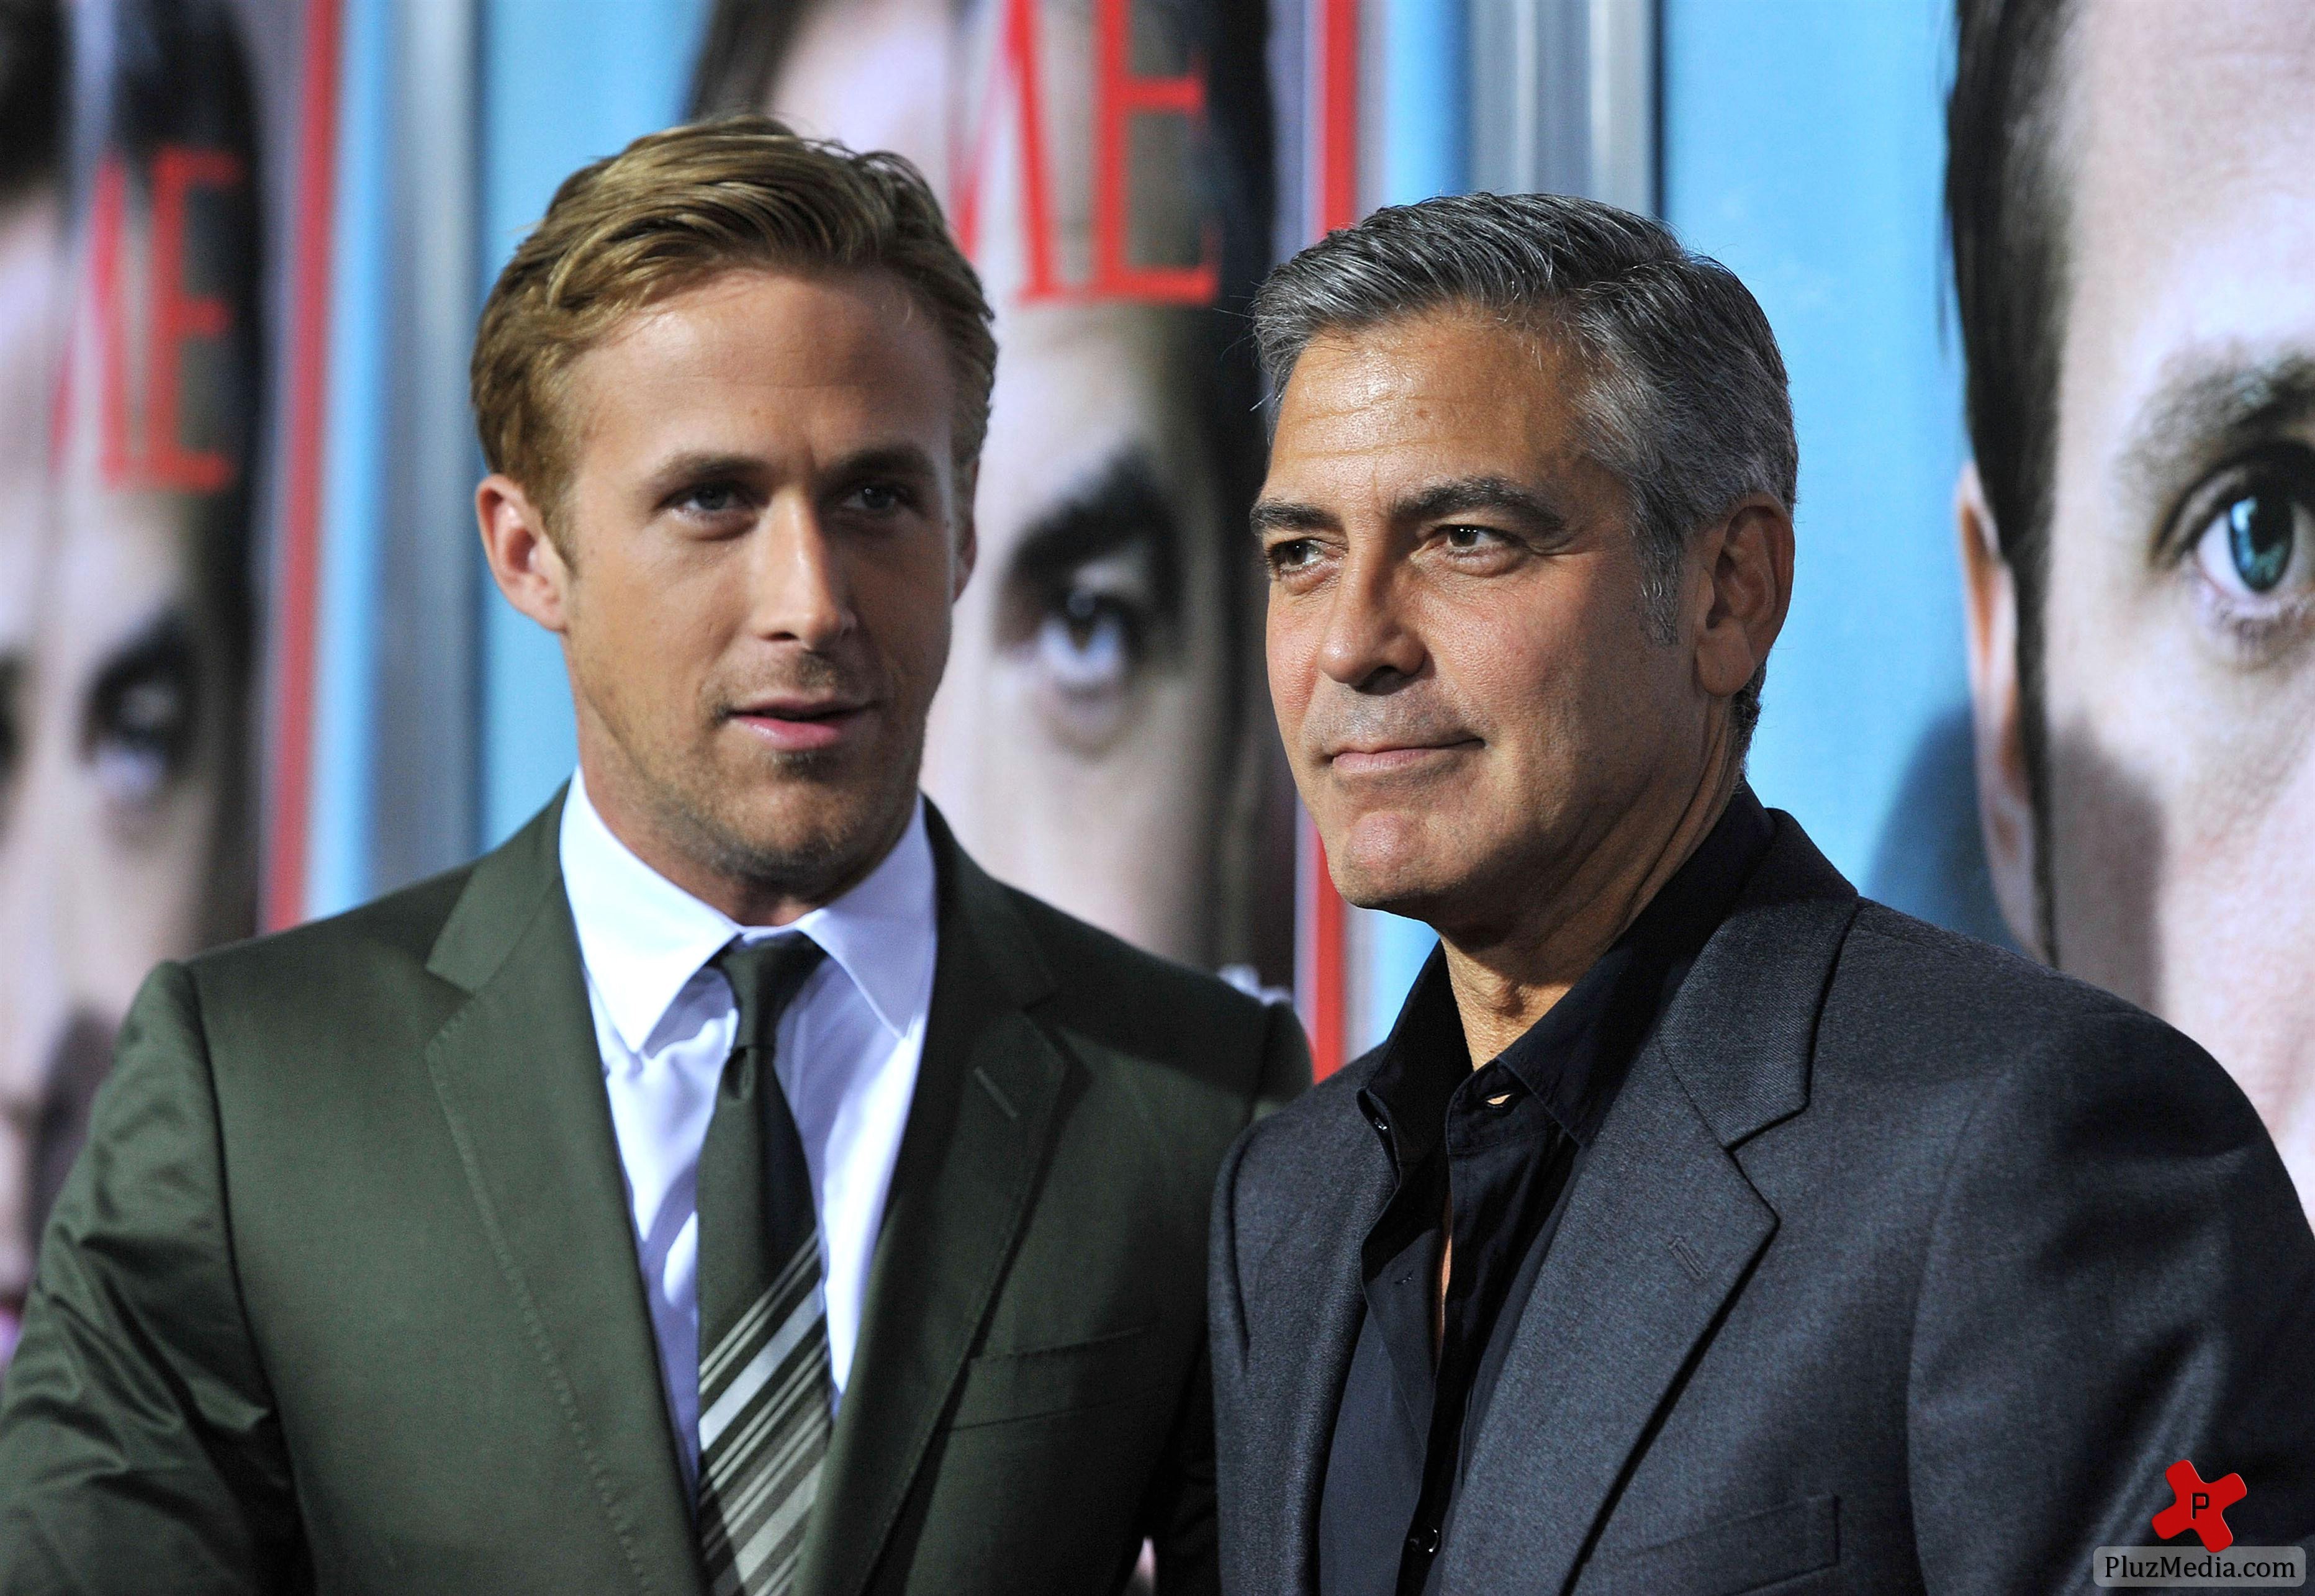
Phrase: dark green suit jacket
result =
(343, 1294)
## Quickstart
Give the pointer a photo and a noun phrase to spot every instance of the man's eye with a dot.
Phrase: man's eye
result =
(1087, 644)
(1467, 539)
(1293, 553)
(878, 498)
(2258, 543)
(714, 499)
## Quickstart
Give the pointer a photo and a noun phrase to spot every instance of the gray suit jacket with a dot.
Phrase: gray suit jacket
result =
(1899, 1265)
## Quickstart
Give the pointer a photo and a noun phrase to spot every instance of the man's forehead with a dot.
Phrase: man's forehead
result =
(2193, 103)
(2188, 172)
(644, 422)
(748, 328)
(1440, 384)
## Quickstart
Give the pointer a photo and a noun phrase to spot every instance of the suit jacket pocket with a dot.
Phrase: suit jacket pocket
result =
(1727, 1559)
(999, 1387)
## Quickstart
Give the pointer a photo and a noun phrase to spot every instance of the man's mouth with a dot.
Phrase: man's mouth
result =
(1382, 757)
(803, 724)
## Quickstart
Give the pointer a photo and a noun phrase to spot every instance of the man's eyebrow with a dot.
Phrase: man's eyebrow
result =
(698, 465)
(1284, 515)
(2207, 405)
(1462, 494)
(693, 464)
(1120, 506)
(885, 459)
(1434, 502)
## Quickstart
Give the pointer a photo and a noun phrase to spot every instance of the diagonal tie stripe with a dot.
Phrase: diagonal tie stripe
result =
(762, 1442)
(777, 1302)
(775, 1499)
(764, 1384)
(769, 1420)
(798, 1325)
(763, 1433)
(768, 1561)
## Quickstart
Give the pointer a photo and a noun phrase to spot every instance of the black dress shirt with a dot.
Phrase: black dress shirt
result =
(1507, 1141)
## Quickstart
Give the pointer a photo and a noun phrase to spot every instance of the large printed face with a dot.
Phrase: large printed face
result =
(118, 743)
(1084, 745)
(752, 573)
(1473, 700)
(2179, 690)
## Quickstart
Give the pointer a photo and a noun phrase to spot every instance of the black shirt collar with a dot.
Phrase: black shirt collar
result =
(1574, 1058)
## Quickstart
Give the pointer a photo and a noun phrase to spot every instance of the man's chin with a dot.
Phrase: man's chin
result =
(807, 832)
(1387, 858)
(1391, 881)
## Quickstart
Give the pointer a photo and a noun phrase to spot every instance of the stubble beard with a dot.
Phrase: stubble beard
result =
(815, 848)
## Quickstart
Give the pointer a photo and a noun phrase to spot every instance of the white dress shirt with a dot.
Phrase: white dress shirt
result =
(849, 1047)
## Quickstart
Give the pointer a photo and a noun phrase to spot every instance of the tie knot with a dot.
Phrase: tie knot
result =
(765, 977)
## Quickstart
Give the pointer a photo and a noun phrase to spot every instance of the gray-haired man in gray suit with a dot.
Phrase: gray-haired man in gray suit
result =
(1701, 1226)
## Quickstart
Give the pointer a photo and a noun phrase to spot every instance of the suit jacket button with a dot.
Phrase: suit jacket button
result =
(1424, 1540)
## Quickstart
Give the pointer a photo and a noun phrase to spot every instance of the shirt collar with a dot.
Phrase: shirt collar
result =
(643, 937)
(1574, 1058)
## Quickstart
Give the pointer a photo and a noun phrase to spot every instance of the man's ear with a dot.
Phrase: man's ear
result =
(1748, 587)
(2005, 794)
(968, 552)
(968, 535)
(525, 562)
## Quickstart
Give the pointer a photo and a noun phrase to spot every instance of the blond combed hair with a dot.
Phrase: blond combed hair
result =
(671, 211)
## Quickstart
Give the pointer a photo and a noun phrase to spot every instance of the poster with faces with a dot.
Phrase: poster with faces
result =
(136, 252)
(1101, 738)
(2140, 516)
(2139, 759)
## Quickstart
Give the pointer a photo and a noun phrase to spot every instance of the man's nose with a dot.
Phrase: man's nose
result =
(1368, 643)
(800, 588)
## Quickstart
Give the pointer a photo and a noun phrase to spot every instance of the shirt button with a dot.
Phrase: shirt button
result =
(1425, 1541)
(1381, 1124)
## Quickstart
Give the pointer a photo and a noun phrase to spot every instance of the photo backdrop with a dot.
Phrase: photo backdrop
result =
(252, 670)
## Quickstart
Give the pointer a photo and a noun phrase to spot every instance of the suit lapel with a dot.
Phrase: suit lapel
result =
(1306, 1297)
(519, 1074)
(990, 1095)
(1658, 1233)
(1661, 1231)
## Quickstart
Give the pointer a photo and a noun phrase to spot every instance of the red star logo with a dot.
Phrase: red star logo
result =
(2202, 1506)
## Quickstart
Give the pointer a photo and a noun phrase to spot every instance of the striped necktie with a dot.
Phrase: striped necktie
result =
(764, 1382)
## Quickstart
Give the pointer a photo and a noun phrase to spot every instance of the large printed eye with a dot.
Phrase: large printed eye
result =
(1091, 604)
(2245, 541)
(2258, 541)
(138, 717)
(1088, 643)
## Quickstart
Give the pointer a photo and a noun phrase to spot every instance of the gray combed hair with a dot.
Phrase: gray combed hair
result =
(1687, 406)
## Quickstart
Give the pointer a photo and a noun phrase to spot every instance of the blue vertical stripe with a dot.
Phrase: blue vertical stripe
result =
(562, 83)
(1818, 185)
(353, 483)
(1423, 101)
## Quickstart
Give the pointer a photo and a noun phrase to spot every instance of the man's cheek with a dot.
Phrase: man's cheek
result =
(1290, 699)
